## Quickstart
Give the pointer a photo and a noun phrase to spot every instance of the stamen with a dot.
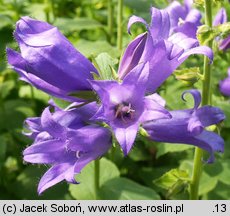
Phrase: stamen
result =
(124, 111)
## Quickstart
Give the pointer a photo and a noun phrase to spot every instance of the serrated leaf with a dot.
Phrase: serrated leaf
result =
(164, 148)
(85, 190)
(126, 189)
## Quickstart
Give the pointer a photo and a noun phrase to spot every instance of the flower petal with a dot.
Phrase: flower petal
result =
(54, 175)
(126, 137)
(204, 50)
(50, 56)
(53, 128)
(196, 97)
(135, 19)
(138, 78)
(132, 55)
(220, 18)
(89, 138)
(160, 24)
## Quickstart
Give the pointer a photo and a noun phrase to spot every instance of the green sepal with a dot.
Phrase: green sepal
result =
(188, 75)
(105, 66)
(174, 181)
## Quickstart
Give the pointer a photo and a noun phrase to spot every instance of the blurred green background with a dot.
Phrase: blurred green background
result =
(141, 175)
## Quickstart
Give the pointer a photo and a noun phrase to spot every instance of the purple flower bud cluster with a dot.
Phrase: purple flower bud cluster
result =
(68, 139)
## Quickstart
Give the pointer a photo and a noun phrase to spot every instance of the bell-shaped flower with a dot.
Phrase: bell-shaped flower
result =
(225, 85)
(189, 127)
(61, 140)
(163, 51)
(48, 60)
(219, 19)
(124, 105)
(184, 18)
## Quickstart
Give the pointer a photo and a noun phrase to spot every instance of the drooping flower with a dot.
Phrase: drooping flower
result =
(163, 51)
(124, 105)
(66, 142)
(184, 18)
(48, 60)
(188, 126)
(219, 19)
(225, 85)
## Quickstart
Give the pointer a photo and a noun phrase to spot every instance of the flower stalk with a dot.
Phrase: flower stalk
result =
(119, 24)
(110, 21)
(97, 176)
(206, 100)
(47, 10)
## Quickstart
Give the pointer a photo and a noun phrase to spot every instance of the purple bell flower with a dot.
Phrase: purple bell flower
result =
(48, 60)
(188, 126)
(225, 85)
(125, 106)
(163, 51)
(221, 18)
(61, 140)
(183, 18)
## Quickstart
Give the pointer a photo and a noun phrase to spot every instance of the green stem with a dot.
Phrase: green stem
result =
(97, 175)
(110, 21)
(119, 24)
(206, 99)
(47, 10)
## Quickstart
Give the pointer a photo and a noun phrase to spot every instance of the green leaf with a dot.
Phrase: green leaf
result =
(104, 64)
(207, 183)
(5, 21)
(60, 103)
(14, 113)
(221, 192)
(224, 105)
(205, 34)
(126, 189)
(164, 148)
(28, 181)
(223, 30)
(85, 190)
(26, 92)
(169, 179)
(6, 87)
(36, 10)
(68, 25)
(91, 49)
(224, 176)
(86, 95)
(3, 147)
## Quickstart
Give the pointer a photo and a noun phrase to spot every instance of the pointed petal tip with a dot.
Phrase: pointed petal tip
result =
(135, 19)
(196, 97)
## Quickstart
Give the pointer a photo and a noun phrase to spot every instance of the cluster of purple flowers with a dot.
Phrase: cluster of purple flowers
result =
(68, 139)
